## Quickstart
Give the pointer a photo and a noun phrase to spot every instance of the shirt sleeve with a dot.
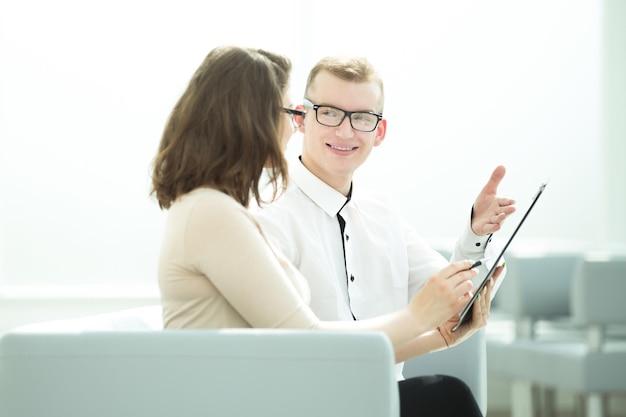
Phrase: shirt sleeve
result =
(424, 261)
(224, 243)
(472, 246)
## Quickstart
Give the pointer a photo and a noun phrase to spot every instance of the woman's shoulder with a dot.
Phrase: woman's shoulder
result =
(206, 195)
(210, 204)
(209, 199)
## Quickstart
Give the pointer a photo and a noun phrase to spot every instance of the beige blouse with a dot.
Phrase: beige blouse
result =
(218, 270)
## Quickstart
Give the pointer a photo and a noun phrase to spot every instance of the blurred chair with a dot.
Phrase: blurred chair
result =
(536, 289)
(585, 353)
(466, 361)
(122, 364)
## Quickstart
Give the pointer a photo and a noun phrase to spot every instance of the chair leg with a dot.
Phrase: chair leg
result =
(549, 402)
(523, 399)
(579, 405)
(595, 405)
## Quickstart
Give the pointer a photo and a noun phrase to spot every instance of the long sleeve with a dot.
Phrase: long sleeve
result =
(218, 270)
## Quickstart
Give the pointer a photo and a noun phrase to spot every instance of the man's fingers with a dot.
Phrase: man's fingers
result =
(494, 180)
(497, 272)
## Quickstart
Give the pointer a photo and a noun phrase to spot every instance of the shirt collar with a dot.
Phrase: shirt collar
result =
(326, 197)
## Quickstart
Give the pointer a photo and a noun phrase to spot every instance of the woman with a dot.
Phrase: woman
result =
(216, 267)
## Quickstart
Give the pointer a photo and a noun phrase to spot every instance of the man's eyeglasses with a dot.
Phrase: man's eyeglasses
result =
(292, 113)
(363, 121)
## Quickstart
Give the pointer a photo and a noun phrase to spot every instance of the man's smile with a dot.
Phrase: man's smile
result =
(341, 148)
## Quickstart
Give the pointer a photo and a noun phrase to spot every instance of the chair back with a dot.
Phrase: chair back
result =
(231, 372)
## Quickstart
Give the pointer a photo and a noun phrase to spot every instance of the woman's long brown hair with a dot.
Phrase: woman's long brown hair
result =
(225, 128)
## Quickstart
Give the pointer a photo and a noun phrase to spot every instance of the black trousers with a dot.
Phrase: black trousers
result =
(436, 396)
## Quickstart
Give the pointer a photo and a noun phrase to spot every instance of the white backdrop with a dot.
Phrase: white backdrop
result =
(86, 87)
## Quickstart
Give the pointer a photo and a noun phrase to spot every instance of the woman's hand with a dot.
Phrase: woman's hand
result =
(443, 295)
(480, 315)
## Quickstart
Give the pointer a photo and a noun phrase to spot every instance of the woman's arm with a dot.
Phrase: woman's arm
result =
(428, 342)
(443, 337)
(225, 244)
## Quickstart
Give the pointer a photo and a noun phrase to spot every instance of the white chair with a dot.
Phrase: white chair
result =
(466, 361)
(585, 354)
(121, 364)
(533, 302)
(536, 288)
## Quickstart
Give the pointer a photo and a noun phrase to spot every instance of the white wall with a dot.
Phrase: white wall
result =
(86, 88)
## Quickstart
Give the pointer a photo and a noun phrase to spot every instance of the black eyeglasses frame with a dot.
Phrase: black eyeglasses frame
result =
(379, 117)
(294, 112)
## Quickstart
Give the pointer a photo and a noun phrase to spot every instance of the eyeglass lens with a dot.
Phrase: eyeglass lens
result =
(332, 116)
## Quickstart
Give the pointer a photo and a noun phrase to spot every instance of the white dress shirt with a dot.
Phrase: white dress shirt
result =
(385, 261)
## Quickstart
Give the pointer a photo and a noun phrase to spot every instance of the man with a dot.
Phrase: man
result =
(359, 257)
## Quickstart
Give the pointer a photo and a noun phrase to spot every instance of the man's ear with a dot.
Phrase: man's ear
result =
(381, 131)
(299, 119)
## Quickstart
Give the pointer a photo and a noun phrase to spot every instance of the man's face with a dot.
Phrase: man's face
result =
(334, 153)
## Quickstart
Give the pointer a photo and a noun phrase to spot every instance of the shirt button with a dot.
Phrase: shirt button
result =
(347, 237)
(352, 278)
(477, 243)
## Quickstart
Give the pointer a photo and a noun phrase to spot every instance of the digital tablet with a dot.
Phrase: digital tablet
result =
(465, 315)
